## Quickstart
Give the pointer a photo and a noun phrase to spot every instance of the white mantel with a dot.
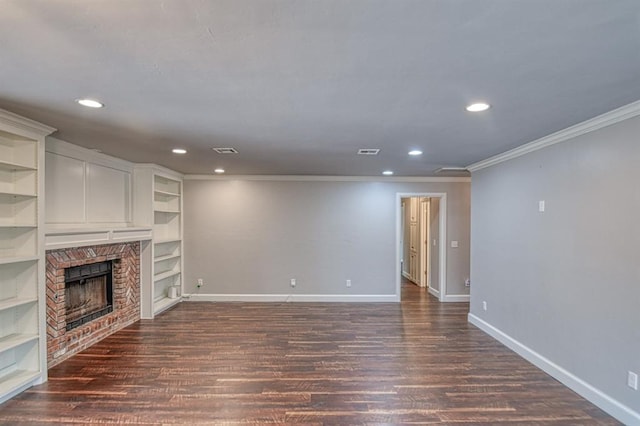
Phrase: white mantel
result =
(78, 237)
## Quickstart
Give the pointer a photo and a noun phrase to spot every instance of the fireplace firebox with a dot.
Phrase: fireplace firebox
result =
(88, 293)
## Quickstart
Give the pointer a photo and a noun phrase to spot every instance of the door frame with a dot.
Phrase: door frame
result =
(442, 246)
(402, 225)
(425, 242)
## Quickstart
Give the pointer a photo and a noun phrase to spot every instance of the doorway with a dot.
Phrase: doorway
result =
(420, 237)
(415, 224)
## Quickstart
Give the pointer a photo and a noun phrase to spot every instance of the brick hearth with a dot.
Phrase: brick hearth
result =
(62, 344)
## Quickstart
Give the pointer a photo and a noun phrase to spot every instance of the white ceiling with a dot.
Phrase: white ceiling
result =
(297, 86)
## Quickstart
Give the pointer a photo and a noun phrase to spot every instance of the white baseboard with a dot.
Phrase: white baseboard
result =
(456, 298)
(618, 410)
(346, 298)
(434, 292)
(410, 278)
(235, 297)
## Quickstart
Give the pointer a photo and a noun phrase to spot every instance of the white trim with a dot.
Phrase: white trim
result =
(442, 196)
(66, 149)
(310, 178)
(442, 245)
(456, 298)
(615, 408)
(332, 298)
(434, 292)
(14, 120)
(425, 245)
(607, 119)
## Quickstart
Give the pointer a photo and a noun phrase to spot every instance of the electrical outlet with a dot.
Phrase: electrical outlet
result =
(348, 283)
(632, 380)
(484, 305)
(467, 282)
(293, 282)
(200, 282)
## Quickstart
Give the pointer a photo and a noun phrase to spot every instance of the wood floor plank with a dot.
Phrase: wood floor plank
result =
(417, 362)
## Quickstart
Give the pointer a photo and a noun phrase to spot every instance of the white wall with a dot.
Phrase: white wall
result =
(563, 287)
(250, 237)
(84, 188)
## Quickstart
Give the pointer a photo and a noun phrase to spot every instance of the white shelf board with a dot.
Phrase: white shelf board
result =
(19, 194)
(14, 340)
(167, 257)
(164, 275)
(15, 380)
(166, 240)
(167, 193)
(16, 225)
(15, 302)
(164, 304)
(19, 259)
(8, 165)
(171, 211)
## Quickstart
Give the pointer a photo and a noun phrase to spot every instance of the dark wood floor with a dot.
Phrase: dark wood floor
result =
(416, 362)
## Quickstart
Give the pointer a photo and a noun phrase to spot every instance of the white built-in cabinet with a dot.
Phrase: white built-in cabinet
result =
(158, 203)
(22, 287)
(414, 240)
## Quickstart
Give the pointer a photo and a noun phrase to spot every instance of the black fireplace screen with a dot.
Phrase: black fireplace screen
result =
(88, 293)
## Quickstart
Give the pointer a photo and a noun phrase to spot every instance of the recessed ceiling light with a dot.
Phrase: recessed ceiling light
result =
(387, 172)
(179, 151)
(415, 152)
(478, 107)
(219, 171)
(91, 103)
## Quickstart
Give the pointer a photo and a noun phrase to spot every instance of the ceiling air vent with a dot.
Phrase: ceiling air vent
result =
(368, 151)
(451, 169)
(225, 150)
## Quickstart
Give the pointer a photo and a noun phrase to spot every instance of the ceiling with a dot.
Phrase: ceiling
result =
(297, 86)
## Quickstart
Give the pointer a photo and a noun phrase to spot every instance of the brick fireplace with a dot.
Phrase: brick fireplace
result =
(125, 287)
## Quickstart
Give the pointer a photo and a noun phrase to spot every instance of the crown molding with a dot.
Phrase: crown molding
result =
(18, 122)
(161, 169)
(607, 119)
(60, 147)
(314, 178)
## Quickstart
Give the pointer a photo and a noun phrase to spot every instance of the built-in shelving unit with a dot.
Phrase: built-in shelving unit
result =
(158, 203)
(22, 299)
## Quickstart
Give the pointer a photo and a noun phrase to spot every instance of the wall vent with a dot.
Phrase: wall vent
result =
(368, 151)
(225, 150)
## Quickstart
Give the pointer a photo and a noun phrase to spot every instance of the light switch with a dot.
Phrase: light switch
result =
(454, 244)
(541, 205)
